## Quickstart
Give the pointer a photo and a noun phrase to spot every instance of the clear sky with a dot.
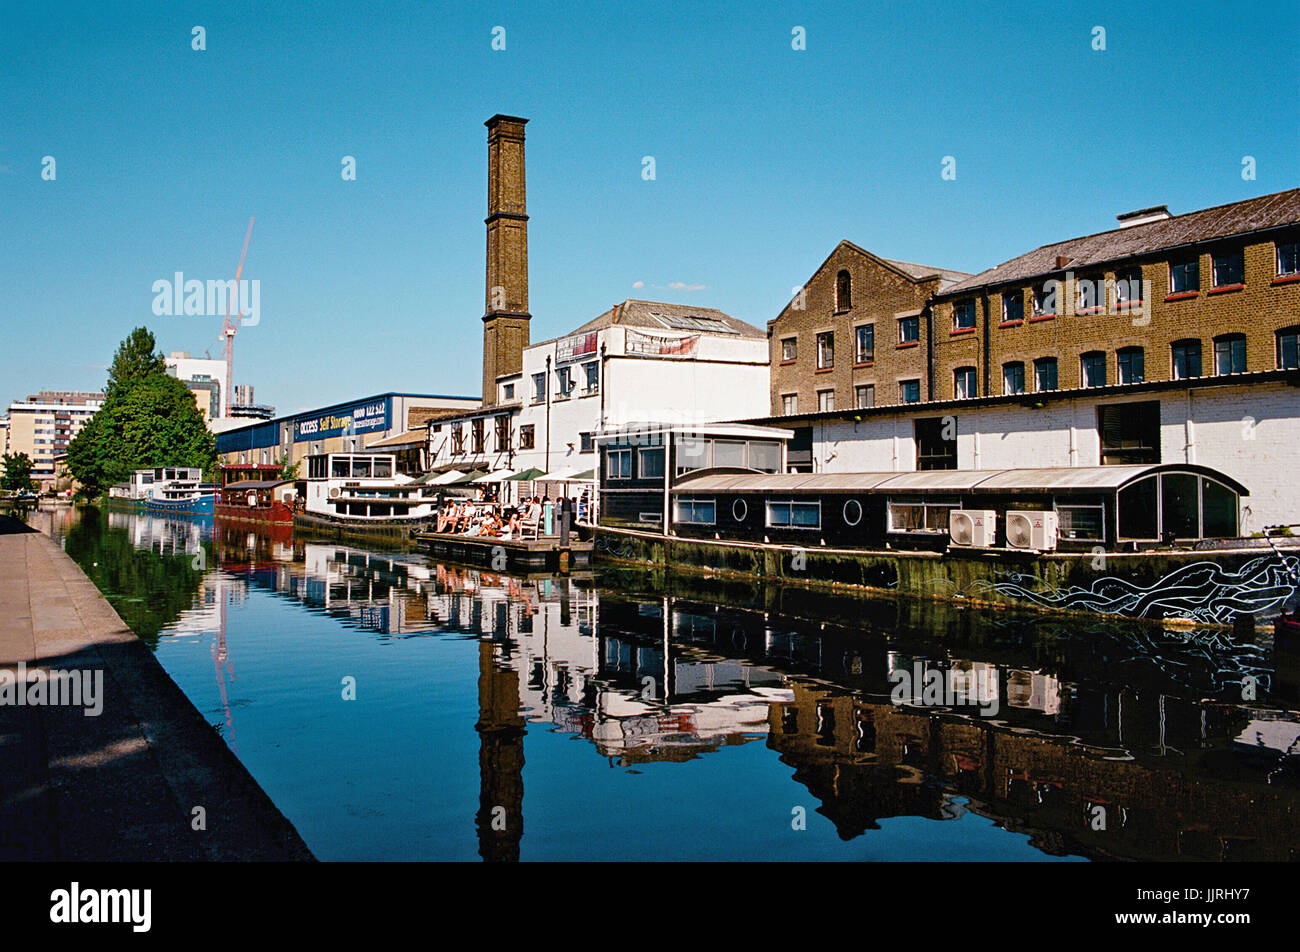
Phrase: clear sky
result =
(765, 158)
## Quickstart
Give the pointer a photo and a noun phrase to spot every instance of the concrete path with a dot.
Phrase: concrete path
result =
(122, 785)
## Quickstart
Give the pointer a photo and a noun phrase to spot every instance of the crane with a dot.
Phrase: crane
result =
(228, 327)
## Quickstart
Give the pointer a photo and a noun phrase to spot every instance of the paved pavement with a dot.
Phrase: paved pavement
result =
(122, 785)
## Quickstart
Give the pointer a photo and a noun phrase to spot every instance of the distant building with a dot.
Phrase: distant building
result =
(205, 378)
(244, 406)
(44, 424)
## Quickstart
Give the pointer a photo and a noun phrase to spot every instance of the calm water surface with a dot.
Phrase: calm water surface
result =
(600, 717)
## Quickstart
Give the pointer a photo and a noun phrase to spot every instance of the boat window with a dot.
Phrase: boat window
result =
(1218, 510)
(1180, 506)
(920, 516)
(739, 510)
(852, 512)
(788, 514)
(728, 453)
(695, 511)
(340, 466)
(1138, 513)
(1081, 522)
(693, 453)
(360, 467)
(765, 457)
(383, 469)
(651, 463)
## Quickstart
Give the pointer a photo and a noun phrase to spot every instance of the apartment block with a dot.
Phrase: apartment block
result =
(44, 424)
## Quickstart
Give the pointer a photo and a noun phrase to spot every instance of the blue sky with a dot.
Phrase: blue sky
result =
(765, 158)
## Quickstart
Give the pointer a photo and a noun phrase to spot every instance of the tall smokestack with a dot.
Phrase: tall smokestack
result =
(505, 316)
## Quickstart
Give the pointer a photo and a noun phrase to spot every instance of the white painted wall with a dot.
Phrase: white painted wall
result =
(1251, 433)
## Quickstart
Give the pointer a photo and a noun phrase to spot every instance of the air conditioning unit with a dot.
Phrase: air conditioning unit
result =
(1034, 530)
(973, 528)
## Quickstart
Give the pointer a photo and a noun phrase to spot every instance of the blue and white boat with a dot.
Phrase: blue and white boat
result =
(180, 489)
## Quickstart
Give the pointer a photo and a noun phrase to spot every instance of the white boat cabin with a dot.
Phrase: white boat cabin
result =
(365, 487)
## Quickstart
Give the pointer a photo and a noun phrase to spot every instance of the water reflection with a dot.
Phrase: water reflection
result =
(1086, 738)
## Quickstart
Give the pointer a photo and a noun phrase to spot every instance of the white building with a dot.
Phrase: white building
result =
(640, 360)
(205, 377)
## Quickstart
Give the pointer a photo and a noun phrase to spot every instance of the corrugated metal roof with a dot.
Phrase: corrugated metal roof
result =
(646, 314)
(1044, 480)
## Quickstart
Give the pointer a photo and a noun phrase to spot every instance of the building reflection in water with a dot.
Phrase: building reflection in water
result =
(1105, 740)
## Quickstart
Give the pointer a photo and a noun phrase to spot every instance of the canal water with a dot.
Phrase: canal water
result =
(396, 708)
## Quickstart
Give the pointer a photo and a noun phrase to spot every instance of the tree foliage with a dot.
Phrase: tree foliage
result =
(148, 419)
(18, 471)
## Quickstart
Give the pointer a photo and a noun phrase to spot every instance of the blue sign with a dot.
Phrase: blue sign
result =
(345, 421)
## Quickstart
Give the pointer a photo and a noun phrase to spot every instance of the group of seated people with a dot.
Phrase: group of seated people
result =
(475, 519)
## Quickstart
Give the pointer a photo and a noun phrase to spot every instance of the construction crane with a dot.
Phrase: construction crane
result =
(229, 327)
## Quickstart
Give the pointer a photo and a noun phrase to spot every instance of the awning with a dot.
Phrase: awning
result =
(567, 476)
(409, 438)
(497, 476)
(470, 477)
(443, 478)
(532, 472)
(1031, 480)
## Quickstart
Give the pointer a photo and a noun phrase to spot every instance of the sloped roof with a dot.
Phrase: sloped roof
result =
(1222, 221)
(947, 276)
(648, 314)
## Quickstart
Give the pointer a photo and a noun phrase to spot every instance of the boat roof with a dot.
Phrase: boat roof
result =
(1033, 480)
(258, 483)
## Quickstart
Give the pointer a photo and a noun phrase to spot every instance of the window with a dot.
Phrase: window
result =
(936, 443)
(383, 468)
(503, 433)
(1288, 348)
(729, 453)
(1045, 300)
(865, 343)
(930, 516)
(826, 350)
(1137, 510)
(739, 510)
(1288, 259)
(1091, 294)
(1230, 354)
(361, 468)
(693, 453)
(1229, 268)
(909, 329)
(1129, 432)
(650, 463)
(1219, 509)
(477, 430)
(788, 514)
(825, 400)
(864, 395)
(764, 456)
(585, 443)
(1093, 368)
(963, 315)
(789, 403)
(592, 371)
(508, 391)
(527, 437)
(963, 386)
(1045, 374)
(852, 512)
(563, 381)
(340, 466)
(1013, 307)
(909, 391)
(618, 464)
(1131, 361)
(694, 511)
(1128, 287)
(1081, 522)
(789, 349)
(457, 437)
(539, 388)
(1186, 358)
(843, 291)
(1185, 277)
(1013, 377)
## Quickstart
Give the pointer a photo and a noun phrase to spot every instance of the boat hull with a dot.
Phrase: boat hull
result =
(275, 514)
(198, 506)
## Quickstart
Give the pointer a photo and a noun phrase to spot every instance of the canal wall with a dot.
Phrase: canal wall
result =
(146, 777)
(1223, 587)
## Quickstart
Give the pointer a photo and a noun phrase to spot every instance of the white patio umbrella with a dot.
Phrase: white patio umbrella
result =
(500, 476)
(450, 476)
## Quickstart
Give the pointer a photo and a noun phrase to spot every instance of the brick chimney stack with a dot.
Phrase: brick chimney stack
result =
(505, 315)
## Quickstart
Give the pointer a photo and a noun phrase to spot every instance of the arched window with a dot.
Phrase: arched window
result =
(843, 291)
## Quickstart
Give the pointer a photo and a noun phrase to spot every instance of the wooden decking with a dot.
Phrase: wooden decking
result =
(545, 552)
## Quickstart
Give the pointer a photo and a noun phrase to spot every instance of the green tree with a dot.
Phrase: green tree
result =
(18, 471)
(287, 471)
(134, 361)
(148, 419)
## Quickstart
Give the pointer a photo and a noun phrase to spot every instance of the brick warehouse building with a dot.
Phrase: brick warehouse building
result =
(1169, 339)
